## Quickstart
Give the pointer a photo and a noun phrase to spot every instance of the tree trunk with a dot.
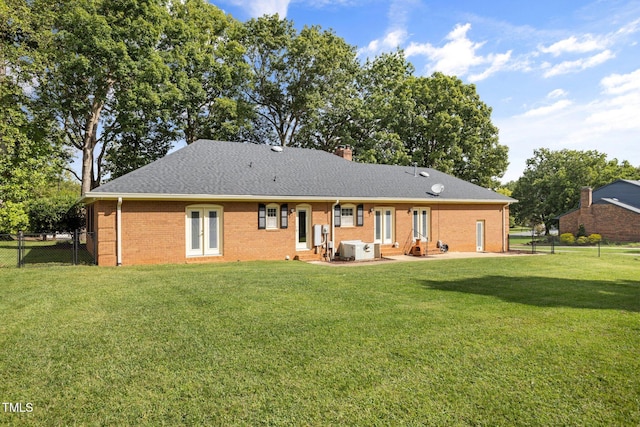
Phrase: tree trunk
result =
(88, 145)
(87, 168)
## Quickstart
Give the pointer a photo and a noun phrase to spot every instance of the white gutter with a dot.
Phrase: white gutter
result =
(119, 232)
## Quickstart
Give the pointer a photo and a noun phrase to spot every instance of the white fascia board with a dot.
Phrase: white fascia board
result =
(92, 197)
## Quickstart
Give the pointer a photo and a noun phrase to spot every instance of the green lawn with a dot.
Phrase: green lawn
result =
(42, 253)
(525, 340)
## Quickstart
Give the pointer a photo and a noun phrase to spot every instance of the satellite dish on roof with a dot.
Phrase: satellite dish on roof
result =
(437, 189)
(276, 148)
(425, 174)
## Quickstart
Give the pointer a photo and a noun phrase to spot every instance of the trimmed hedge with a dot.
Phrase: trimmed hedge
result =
(570, 239)
(567, 238)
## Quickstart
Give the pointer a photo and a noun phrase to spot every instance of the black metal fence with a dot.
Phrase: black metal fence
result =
(549, 244)
(23, 250)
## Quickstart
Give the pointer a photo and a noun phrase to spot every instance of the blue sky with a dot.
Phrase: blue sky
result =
(558, 74)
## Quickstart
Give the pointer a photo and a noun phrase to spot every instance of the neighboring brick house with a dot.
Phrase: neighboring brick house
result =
(613, 211)
(229, 201)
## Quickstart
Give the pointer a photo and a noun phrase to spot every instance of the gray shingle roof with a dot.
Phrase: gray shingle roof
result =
(622, 192)
(217, 168)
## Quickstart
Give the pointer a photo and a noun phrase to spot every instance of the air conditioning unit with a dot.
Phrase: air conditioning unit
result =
(356, 250)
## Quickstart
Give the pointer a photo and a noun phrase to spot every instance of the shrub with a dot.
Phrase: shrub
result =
(582, 240)
(13, 217)
(594, 238)
(567, 238)
(581, 231)
(51, 214)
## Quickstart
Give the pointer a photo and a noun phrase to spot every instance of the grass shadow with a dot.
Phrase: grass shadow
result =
(549, 291)
(55, 253)
(44, 253)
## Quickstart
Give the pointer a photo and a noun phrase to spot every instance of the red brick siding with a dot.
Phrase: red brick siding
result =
(610, 221)
(154, 231)
(105, 227)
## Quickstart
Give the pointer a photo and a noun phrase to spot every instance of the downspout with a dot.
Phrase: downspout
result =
(333, 228)
(505, 237)
(119, 232)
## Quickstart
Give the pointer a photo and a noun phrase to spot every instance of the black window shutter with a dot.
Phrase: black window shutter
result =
(360, 217)
(337, 214)
(284, 216)
(262, 216)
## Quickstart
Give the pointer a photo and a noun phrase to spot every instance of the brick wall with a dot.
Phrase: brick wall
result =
(610, 221)
(155, 231)
(105, 228)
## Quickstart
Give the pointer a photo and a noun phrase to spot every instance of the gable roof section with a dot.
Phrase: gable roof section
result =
(239, 171)
(622, 192)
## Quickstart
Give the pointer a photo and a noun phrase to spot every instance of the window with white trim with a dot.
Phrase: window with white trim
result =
(272, 216)
(346, 215)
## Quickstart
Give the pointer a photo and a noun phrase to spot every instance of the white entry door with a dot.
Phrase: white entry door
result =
(303, 227)
(480, 236)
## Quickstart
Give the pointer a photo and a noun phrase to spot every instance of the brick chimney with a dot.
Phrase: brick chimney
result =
(345, 152)
(586, 197)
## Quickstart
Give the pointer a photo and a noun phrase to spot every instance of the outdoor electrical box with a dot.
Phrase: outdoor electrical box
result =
(317, 235)
(320, 233)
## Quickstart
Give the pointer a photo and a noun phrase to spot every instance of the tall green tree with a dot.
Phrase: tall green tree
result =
(435, 121)
(103, 58)
(187, 87)
(450, 129)
(552, 180)
(31, 152)
(385, 105)
(295, 78)
(203, 51)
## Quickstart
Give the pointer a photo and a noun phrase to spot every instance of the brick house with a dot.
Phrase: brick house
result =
(613, 211)
(228, 201)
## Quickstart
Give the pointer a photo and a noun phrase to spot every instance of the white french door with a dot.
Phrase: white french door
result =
(383, 225)
(203, 231)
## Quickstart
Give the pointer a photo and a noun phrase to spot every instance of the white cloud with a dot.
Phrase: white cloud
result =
(621, 110)
(549, 109)
(620, 83)
(578, 65)
(586, 43)
(459, 55)
(607, 123)
(498, 63)
(455, 57)
(257, 8)
(396, 33)
(391, 40)
(557, 93)
(630, 28)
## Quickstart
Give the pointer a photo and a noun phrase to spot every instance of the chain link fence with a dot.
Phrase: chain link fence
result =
(45, 249)
(548, 244)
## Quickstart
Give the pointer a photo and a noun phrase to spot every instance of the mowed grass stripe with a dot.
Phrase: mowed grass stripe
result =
(527, 340)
